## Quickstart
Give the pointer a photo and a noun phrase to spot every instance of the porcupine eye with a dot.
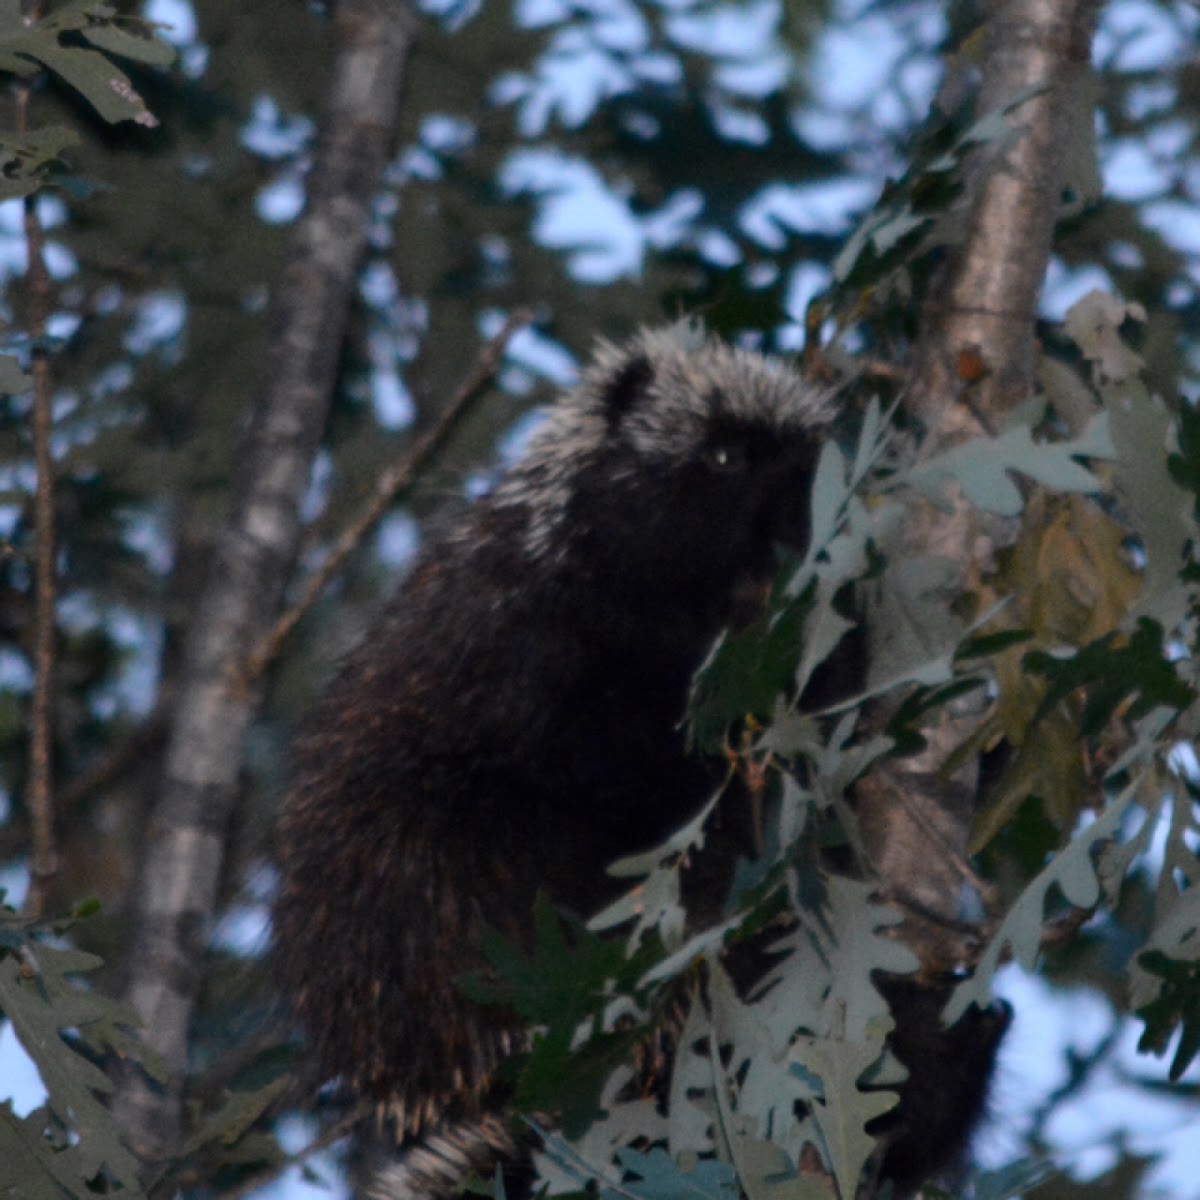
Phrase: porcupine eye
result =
(727, 458)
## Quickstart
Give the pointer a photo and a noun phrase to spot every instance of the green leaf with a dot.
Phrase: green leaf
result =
(747, 671)
(74, 1140)
(854, 947)
(1165, 981)
(655, 1176)
(236, 1116)
(1184, 465)
(982, 466)
(844, 1110)
(988, 644)
(738, 1045)
(1074, 872)
(906, 218)
(1093, 323)
(654, 905)
(13, 380)
(27, 162)
(40, 1002)
(560, 982)
(1073, 401)
(1113, 668)
(1176, 1006)
(1161, 510)
(829, 495)
(15, 64)
(591, 1156)
(766, 1172)
(103, 85)
(917, 631)
(141, 47)
(32, 1166)
(562, 987)
(690, 1107)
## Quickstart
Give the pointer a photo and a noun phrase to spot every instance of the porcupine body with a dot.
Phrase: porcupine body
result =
(513, 722)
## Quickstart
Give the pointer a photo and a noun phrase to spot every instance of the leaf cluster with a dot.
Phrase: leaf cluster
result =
(797, 1064)
(74, 42)
(71, 1146)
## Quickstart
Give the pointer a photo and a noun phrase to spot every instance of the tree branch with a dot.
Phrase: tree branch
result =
(390, 484)
(40, 798)
(985, 303)
(972, 366)
(323, 1141)
(253, 553)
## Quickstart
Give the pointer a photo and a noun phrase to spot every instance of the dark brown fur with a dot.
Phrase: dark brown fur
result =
(513, 724)
(514, 721)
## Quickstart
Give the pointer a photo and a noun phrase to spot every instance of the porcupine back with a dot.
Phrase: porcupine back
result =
(513, 722)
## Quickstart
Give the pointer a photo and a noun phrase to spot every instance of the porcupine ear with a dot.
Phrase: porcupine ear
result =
(626, 387)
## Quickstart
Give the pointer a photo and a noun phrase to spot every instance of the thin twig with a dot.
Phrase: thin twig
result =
(1060, 930)
(133, 750)
(40, 795)
(223, 1076)
(323, 1141)
(391, 482)
(144, 741)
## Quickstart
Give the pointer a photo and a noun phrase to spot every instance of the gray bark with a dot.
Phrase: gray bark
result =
(973, 365)
(986, 300)
(254, 552)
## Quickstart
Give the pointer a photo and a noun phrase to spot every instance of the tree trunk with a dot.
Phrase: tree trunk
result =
(974, 364)
(253, 555)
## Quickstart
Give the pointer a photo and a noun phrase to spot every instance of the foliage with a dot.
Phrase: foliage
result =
(812, 1033)
(26, 49)
(71, 1146)
(30, 159)
(563, 986)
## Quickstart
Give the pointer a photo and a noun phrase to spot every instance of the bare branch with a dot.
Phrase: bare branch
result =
(253, 554)
(393, 481)
(132, 751)
(41, 782)
(325, 1139)
(44, 864)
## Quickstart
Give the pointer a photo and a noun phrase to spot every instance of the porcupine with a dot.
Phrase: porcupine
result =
(513, 723)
